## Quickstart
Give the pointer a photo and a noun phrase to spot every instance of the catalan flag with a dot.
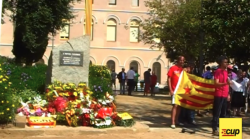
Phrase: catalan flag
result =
(194, 92)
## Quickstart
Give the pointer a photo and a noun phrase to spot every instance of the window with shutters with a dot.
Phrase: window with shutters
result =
(112, 2)
(135, 3)
(111, 30)
(92, 29)
(134, 31)
(64, 32)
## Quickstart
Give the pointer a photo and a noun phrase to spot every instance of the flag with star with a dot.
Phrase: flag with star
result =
(194, 92)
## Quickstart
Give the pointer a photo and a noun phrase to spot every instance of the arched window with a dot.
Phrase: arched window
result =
(157, 69)
(134, 31)
(111, 64)
(135, 65)
(90, 62)
(64, 32)
(92, 29)
(111, 30)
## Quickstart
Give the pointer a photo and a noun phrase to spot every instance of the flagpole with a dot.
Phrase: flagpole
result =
(88, 13)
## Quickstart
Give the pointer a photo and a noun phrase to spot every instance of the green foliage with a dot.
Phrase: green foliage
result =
(61, 119)
(226, 25)
(27, 95)
(99, 81)
(7, 106)
(22, 78)
(125, 123)
(34, 21)
(177, 25)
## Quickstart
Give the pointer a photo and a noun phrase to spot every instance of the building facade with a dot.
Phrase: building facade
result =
(114, 38)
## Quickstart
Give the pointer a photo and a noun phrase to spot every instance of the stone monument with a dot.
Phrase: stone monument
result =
(69, 62)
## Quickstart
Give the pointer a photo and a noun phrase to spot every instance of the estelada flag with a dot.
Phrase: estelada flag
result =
(194, 92)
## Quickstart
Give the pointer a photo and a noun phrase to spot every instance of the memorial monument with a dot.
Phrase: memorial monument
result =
(69, 62)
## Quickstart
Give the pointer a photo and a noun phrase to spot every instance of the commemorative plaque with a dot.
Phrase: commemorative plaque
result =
(71, 58)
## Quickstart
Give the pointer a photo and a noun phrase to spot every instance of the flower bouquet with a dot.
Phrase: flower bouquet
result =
(123, 119)
(80, 105)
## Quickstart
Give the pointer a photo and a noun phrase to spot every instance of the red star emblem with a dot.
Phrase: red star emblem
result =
(187, 89)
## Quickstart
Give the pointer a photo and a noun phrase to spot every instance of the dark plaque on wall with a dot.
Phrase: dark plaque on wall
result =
(71, 58)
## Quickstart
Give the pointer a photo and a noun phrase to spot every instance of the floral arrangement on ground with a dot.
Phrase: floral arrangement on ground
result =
(75, 105)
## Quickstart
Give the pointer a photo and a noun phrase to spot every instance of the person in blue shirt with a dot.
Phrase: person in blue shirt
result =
(208, 74)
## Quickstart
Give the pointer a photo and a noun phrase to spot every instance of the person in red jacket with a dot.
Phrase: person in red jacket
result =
(153, 83)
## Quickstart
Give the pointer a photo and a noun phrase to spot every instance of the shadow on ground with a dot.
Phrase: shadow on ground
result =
(155, 111)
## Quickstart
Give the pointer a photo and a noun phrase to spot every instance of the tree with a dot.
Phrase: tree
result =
(177, 25)
(226, 25)
(34, 21)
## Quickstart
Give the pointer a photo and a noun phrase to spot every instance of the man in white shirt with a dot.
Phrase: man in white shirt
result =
(131, 80)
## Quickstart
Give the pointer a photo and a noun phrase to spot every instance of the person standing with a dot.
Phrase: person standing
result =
(232, 76)
(187, 115)
(239, 95)
(137, 75)
(153, 83)
(122, 79)
(147, 77)
(131, 80)
(246, 79)
(173, 77)
(208, 74)
(221, 82)
(113, 78)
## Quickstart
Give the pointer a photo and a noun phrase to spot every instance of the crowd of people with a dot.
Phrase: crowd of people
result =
(129, 81)
(228, 101)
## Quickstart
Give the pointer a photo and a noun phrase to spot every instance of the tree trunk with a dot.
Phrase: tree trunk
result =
(18, 61)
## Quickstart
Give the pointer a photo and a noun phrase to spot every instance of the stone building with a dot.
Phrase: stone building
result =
(114, 43)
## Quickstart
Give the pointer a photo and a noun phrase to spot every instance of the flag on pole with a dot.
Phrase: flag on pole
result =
(193, 92)
(88, 13)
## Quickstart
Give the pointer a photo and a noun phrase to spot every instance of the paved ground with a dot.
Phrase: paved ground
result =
(155, 112)
(152, 111)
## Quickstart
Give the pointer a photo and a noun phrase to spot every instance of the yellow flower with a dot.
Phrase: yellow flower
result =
(8, 109)
(10, 83)
(5, 87)
(13, 105)
(7, 101)
(0, 69)
(2, 101)
(0, 81)
(10, 117)
(4, 79)
(2, 112)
